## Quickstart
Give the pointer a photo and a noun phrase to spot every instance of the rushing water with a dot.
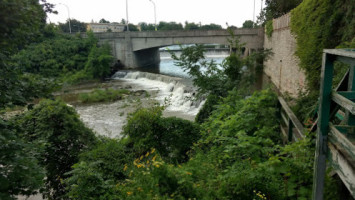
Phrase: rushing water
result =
(166, 84)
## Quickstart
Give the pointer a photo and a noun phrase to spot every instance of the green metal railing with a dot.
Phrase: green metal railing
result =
(336, 143)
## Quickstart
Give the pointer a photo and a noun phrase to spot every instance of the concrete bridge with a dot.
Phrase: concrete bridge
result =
(139, 49)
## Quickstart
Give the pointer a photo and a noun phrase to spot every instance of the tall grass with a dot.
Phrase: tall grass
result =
(106, 95)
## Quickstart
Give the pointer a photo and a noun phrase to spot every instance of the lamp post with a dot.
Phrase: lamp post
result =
(254, 15)
(155, 15)
(68, 15)
(127, 14)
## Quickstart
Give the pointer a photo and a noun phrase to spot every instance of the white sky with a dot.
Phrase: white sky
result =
(234, 12)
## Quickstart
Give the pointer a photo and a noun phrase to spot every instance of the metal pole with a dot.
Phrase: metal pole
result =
(155, 15)
(254, 14)
(127, 14)
(68, 15)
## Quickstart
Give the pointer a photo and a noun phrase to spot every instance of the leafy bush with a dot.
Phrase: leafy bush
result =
(151, 178)
(73, 59)
(99, 60)
(60, 137)
(102, 95)
(96, 174)
(172, 137)
(207, 108)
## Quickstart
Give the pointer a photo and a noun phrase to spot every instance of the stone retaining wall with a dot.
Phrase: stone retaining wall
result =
(283, 67)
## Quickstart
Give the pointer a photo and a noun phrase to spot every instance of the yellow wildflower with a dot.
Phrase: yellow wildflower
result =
(125, 167)
(129, 193)
(153, 150)
(157, 165)
(147, 154)
(153, 159)
(188, 173)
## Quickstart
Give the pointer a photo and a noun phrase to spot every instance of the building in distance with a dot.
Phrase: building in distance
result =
(105, 27)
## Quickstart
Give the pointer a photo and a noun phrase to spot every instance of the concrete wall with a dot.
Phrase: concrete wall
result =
(283, 67)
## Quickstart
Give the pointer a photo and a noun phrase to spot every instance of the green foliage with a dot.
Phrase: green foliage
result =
(146, 27)
(103, 21)
(165, 26)
(207, 108)
(55, 56)
(75, 25)
(320, 25)
(14, 36)
(102, 95)
(20, 173)
(294, 163)
(276, 8)
(211, 27)
(18, 89)
(171, 137)
(151, 178)
(13, 15)
(191, 26)
(248, 24)
(234, 72)
(269, 28)
(73, 58)
(96, 174)
(99, 60)
(60, 137)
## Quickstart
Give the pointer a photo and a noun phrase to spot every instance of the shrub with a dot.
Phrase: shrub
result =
(20, 173)
(60, 137)
(207, 108)
(172, 137)
(96, 174)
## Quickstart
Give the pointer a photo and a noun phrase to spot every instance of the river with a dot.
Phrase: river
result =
(164, 84)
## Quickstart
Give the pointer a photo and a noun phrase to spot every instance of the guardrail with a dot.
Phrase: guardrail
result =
(291, 128)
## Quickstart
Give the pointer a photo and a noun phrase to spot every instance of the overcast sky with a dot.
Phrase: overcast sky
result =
(234, 12)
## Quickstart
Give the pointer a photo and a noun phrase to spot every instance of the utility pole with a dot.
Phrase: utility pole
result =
(68, 15)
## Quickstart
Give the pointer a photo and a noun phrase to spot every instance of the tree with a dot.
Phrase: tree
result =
(60, 137)
(131, 27)
(249, 24)
(146, 27)
(276, 8)
(191, 26)
(164, 26)
(13, 15)
(211, 27)
(20, 173)
(103, 21)
(76, 26)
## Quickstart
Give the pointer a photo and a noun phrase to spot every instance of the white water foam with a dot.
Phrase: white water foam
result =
(169, 89)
